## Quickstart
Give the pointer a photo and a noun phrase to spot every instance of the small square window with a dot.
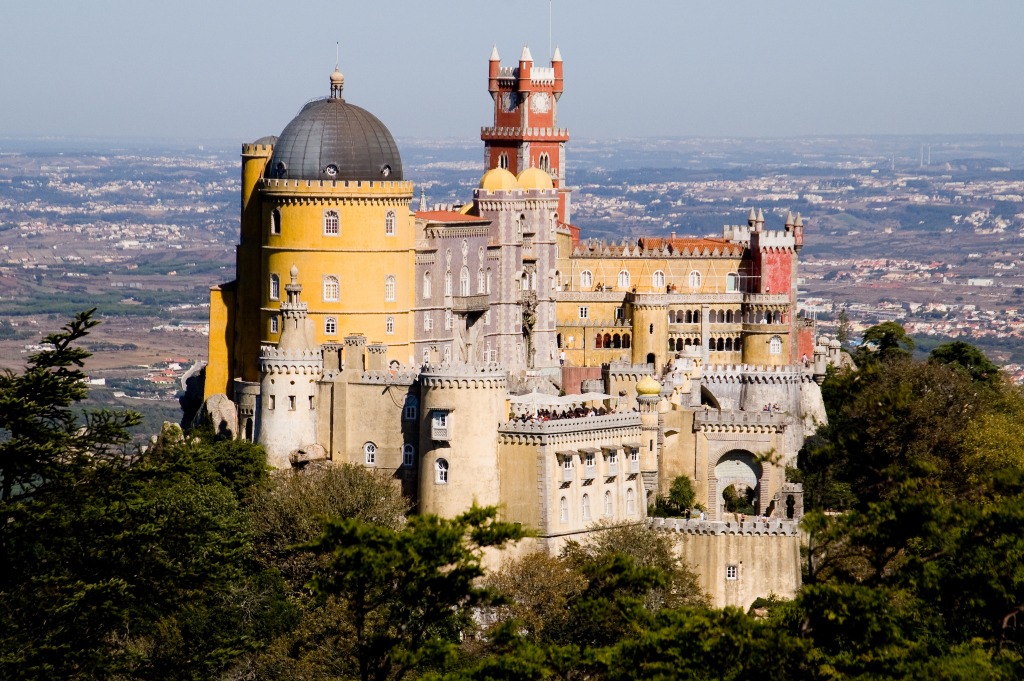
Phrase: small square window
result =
(732, 572)
(583, 311)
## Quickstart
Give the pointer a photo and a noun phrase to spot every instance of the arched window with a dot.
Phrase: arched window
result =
(586, 507)
(426, 285)
(481, 282)
(408, 455)
(330, 326)
(488, 280)
(464, 281)
(412, 403)
(332, 223)
(728, 316)
(607, 340)
(447, 354)
(426, 355)
(586, 279)
(695, 280)
(597, 341)
(732, 282)
(775, 345)
(370, 453)
(544, 162)
(630, 501)
(503, 160)
(448, 283)
(332, 289)
(389, 223)
(441, 472)
(658, 279)
(728, 344)
(625, 341)
(713, 316)
(609, 506)
(389, 325)
(624, 279)
(563, 510)
(389, 288)
(616, 341)
(275, 221)
(275, 287)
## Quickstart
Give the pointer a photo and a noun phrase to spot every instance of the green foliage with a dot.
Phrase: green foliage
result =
(681, 497)
(407, 594)
(738, 502)
(885, 342)
(967, 358)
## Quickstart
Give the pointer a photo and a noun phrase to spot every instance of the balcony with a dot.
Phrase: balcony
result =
(441, 433)
(475, 303)
(568, 474)
(634, 465)
(613, 468)
(589, 472)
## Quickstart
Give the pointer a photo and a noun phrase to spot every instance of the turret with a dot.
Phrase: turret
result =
(525, 67)
(288, 383)
(556, 64)
(493, 70)
(648, 395)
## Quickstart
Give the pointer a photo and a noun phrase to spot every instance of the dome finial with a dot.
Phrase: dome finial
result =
(337, 79)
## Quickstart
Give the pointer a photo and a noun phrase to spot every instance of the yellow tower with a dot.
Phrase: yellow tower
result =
(328, 196)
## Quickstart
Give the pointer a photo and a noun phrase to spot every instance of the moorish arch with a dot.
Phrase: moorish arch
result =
(741, 470)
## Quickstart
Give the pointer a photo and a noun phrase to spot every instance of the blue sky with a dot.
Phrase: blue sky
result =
(233, 71)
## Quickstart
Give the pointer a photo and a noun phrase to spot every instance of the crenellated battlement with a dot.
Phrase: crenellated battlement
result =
(505, 132)
(283, 188)
(767, 528)
(694, 247)
(728, 421)
(490, 376)
(402, 376)
(749, 373)
(253, 149)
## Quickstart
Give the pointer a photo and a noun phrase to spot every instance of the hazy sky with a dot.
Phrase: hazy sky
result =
(233, 71)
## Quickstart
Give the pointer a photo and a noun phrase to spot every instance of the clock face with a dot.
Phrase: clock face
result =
(540, 102)
(509, 101)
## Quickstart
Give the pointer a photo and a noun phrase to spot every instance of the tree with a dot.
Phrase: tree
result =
(967, 358)
(407, 595)
(843, 327)
(42, 440)
(886, 341)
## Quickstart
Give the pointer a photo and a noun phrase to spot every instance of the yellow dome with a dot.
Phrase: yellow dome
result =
(648, 386)
(497, 179)
(534, 178)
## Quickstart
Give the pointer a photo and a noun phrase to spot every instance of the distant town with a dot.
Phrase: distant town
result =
(927, 232)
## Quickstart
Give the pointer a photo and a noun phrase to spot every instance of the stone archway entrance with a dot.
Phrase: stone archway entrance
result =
(739, 470)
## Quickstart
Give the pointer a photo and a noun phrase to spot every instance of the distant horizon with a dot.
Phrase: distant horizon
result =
(198, 71)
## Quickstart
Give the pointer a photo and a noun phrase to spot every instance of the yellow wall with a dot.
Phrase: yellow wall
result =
(219, 360)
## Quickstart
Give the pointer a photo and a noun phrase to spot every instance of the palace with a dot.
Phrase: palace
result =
(433, 343)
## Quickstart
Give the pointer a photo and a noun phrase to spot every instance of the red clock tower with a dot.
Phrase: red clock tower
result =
(524, 133)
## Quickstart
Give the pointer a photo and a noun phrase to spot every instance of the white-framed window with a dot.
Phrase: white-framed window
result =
(389, 288)
(584, 311)
(332, 289)
(488, 290)
(732, 282)
(426, 355)
(567, 463)
(447, 320)
(332, 223)
(389, 325)
(408, 456)
(487, 317)
(503, 160)
(589, 462)
(563, 510)
(426, 286)
(544, 162)
(370, 454)
(586, 279)
(330, 326)
(428, 322)
(389, 223)
(634, 455)
(447, 354)
(275, 287)
(412, 404)
(481, 282)
(658, 279)
(613, 456)
(624, 279)
(464, 281)
(275, 221)
(732, 572)
(586, 507)
(775, 345)
(274, 324)
(448, 283)
(695, 280)
(609, 505)
(630, 501)
(441, 472)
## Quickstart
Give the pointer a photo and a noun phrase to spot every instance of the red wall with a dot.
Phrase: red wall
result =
(805, 343)
(776, 272)
(572, 377)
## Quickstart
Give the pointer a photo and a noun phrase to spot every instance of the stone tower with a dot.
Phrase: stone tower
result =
(288, 382)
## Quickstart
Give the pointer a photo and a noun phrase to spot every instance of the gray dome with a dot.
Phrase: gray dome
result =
(331, 139)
